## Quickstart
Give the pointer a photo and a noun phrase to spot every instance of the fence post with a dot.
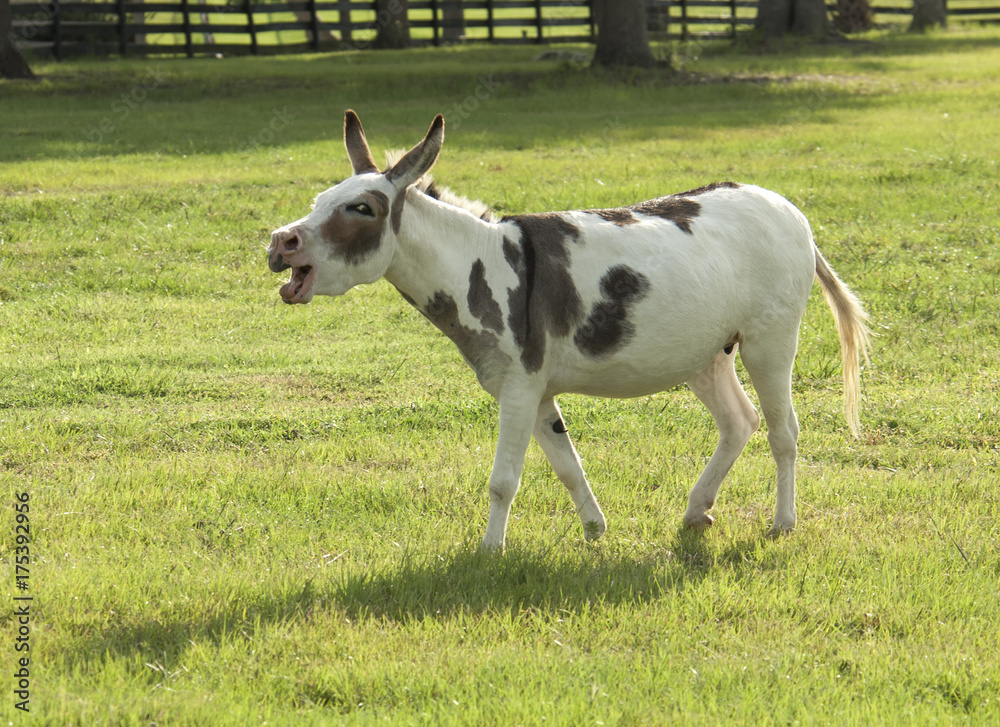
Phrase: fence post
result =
(684, 20)
(434, 23)
(489, 20)
(344, 21)
(122, 45)
(314, 24)
(538, 19)
(732, 17)
(592, 21)
(56, 33)
(186, 26)
(251, 29)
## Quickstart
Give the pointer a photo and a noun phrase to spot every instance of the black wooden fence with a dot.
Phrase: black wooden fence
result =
(196, 27)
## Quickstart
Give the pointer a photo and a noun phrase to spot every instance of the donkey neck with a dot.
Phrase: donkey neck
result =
(436, 247)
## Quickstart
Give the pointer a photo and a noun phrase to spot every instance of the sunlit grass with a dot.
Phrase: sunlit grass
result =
(247, 512)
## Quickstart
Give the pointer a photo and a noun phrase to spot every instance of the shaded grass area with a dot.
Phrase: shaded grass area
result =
(246, 512)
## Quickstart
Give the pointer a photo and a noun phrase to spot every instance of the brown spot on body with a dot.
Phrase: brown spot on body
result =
(481, 302)
(709, 188)
(619, 216)
(607, 328)
(351, 236)
(480, 348)
(546, 301)
(547, 229)
(678, 210)
(512, 254)
(676, 207)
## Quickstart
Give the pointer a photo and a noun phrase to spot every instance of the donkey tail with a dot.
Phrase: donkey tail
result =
(851, 321)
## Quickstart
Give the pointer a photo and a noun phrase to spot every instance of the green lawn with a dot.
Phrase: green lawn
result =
(243, 512)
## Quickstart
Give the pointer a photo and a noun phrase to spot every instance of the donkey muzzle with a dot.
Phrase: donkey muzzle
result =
(276, 262)
(283, 241)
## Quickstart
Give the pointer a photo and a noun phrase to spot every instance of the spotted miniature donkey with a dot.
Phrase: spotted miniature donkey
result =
(616, 302)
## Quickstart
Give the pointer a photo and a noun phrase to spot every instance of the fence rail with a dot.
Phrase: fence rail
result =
(196, 27)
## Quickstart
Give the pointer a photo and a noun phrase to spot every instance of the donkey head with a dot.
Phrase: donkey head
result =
(350, 236)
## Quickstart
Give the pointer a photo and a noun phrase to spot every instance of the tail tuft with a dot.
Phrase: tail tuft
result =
(855, 337)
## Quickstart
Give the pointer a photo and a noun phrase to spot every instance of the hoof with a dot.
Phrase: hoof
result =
(593, 529)
(778, 531)
(489, 546)
(699, 522)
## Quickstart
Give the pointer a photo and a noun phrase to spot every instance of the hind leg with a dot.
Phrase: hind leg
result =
(550, 433)
(769, 363)
(719, 390)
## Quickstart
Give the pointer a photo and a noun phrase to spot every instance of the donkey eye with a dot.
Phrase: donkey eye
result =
(361, 208)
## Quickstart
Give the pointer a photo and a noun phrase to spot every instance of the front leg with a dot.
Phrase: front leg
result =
(550, 433)
(517, 416)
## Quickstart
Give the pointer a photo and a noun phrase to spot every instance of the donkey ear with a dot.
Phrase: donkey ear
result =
(418, 160)
(357, 145)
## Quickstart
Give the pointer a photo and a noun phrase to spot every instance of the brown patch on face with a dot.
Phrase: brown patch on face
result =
(353, 237)
(380, 200)
(678, 210)
(480, 348)
(607, 328)
(397, 211)
(482, 304)
(546, 301)
(619, 216)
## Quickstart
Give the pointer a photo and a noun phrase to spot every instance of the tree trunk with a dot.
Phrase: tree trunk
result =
(811, 18)
(929, 14)
(12, 63)
(853, 16)
(622, 38)
(808, 18)
(393, 24)
(774, 17)
(454, 21)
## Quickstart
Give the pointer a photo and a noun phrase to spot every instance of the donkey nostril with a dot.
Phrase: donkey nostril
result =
(276, 263)
(291, 243)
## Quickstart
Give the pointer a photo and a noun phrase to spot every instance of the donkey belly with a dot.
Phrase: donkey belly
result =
(621, 382)
(659, 355)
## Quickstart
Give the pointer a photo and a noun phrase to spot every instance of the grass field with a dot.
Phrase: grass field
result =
(243, 513)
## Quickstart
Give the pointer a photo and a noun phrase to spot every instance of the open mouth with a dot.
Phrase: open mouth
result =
(299, 288)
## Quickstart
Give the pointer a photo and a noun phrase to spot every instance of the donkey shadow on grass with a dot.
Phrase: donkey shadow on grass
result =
(559, 577)
(432, 585)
